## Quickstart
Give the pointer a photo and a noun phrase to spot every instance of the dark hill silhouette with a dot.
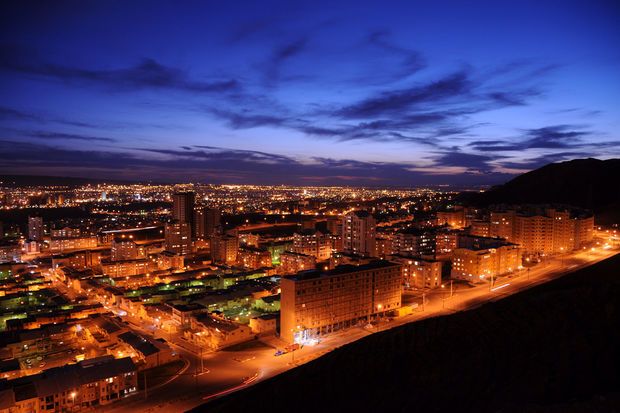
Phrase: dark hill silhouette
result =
(588, 183)
(553, 348)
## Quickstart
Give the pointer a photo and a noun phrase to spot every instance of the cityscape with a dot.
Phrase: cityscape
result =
(319, 219)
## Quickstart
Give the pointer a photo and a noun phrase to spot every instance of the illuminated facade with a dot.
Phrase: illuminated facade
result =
(419, 273)
(183, 208)
(72, 387)
(312, 242)
(293, 262)
(68, 244)
(35, 228)
(314, 302)
(207, 222)
(454, 217)
(253, 258)
(479, 264)
(178, 238)
(224, 249)
(359, 233)
(126, 249)
(414, 241)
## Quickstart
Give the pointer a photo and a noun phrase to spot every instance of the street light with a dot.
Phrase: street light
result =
(73, 394)
(443, 300)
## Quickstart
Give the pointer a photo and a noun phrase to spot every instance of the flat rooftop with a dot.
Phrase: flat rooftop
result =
(341, 269)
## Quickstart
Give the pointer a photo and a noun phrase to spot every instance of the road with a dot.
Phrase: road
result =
(231, 370)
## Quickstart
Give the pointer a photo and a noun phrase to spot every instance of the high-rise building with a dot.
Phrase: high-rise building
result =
(178, 237)
(224, 249)
(35, 228)
(540, 230)
(359, 233)
(183, 208)
(501, 224)
(315, 303)
(208, 222)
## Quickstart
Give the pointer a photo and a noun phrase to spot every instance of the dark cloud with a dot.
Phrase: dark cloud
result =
(68, 136)
(542, 160)
(248, 29)
(550, 137)
(409, 61)
(246, 120)
(273, 68)
(455, 158)
(147, 74)
(214, 164)
(11, 114)
(402, 100)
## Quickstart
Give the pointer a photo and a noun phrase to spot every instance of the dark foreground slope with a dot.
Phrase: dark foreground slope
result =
(553, 348)
(587, 183)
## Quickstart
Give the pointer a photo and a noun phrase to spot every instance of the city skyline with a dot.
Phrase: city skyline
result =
(411, 94)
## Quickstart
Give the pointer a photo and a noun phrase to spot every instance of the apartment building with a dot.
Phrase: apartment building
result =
(481, 262)
(359, 233)
(315, 302)
(82, 386)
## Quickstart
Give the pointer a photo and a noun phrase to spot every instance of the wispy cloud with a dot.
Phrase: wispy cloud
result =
(146, 74)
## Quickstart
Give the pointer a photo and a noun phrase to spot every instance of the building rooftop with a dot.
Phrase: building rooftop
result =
(139, 343)
(341, 269)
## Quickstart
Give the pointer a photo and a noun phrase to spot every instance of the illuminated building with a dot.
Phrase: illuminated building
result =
(480, 228)
(253, 258)
(315, 302)
(66, 232)
(501, 224)
(72, 387)
(224, 249)
(169, 260)
(293, 262)
(454, 217)
(126, 249)
(35, 228)
(313, 242)
(385, 246)
(359, 233)
(419, 273)
(445, 242)
(183, 208)
(178, 237)
(552, 231)
(215, 333)
(481, 262)
(207, 221)
(126, 268)
(69, 244)
(79, 260)
(414, 241)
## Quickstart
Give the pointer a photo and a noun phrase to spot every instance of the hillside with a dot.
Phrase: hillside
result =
(588, 183)
(553, 348)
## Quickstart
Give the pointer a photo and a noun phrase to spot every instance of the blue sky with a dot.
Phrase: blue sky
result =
(367, 93)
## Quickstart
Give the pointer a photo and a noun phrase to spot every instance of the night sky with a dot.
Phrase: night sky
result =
(365, 93)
